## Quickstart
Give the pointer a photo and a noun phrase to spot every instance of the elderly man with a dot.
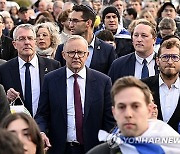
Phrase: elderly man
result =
(70, 95)
(138, 134)
(23, 76)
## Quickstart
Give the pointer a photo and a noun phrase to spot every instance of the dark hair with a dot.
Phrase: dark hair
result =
(33, 129)
(112, 1)
(168, 45)
(132, 11)
(9, 143)
(169, 37)
(105, 35)
(87, 12)
(129, 82)
(163, 7)
(47, 15)
(63, 16)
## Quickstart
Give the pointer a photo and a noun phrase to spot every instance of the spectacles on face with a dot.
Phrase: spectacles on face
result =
(24, 38)
(80, 54)
(166, 57)
(75, 21)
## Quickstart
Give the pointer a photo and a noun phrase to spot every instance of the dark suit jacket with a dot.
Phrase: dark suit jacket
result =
(7, 50)
(52, 110)
(124, 66)
(153, 83)
(10, 77)
(4, 104)
(104, 148)
(102, 58)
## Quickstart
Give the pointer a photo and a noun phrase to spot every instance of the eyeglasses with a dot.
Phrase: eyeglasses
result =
(166, 57)
(80, 54)
(24, 38)
(75, 21)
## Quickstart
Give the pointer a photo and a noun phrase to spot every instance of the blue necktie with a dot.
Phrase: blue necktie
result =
(145, 71)
(78, 111)
(28, 92)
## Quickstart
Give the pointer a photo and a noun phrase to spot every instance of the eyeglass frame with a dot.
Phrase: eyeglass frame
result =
(74, 53)
(75, 21)
(169, 56)
(24, 38)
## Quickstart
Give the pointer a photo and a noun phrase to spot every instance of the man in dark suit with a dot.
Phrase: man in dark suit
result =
(4, 104)
(141, 63)
(13, 72)
(101, 54)
(165, 87)
(57, 111)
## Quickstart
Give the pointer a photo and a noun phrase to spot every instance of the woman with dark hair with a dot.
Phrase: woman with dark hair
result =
(27, 131)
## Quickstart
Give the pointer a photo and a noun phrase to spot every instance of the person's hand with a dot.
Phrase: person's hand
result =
(12, 94)
(46, 141)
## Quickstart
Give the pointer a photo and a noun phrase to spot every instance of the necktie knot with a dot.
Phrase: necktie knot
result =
(75, 76)
(144, 61)
(27, 65)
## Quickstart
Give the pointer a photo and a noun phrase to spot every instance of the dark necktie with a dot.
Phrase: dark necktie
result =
(28, 92)
(145, 71)
(78, 111)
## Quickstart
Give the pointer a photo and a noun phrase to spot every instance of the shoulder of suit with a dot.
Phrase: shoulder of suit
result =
(124, 59)
(97, 73)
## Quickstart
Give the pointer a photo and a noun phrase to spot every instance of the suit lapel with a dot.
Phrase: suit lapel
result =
(89, 92)
(176, 113)
(14, 71)
(131, 65)
(155, 89)
(42, 70)
(96, 49)
(61, 88)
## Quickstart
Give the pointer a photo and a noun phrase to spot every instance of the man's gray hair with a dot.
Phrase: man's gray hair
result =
(24, 26)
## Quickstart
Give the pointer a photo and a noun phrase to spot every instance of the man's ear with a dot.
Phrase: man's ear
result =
(157, 61)
(89, 23)
(63, 54)
(150, 110)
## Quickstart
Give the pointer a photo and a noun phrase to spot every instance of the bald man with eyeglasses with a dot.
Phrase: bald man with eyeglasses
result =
(75, 103)
(166, 86)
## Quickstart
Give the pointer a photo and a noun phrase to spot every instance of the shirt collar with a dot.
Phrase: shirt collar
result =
(81, 73)
(33, 62)
(148, 59)
(176, 84)
(92, 42)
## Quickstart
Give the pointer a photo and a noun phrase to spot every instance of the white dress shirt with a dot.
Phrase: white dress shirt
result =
(168, 98)
(71, 126)
(35, 80)
(139, 65)
(91, 50)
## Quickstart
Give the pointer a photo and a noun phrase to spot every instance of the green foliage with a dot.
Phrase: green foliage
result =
(26, 3)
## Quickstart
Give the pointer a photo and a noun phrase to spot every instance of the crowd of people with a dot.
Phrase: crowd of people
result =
(77, 72)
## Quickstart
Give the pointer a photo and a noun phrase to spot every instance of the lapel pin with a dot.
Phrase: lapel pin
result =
(98, 47)
(46, 70)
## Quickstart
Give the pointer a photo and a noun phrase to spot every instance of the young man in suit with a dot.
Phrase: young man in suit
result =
(17, 79)
(131, 109)
(142, 63)
(81, 22)
(72, 125)
(166, 86)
